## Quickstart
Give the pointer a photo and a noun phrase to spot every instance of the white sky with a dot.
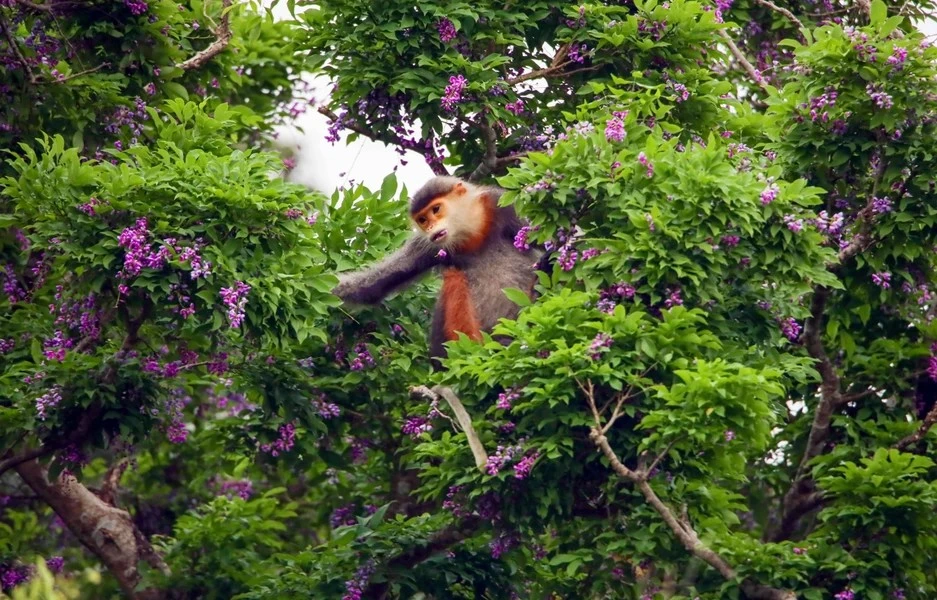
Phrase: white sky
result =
(324, 166)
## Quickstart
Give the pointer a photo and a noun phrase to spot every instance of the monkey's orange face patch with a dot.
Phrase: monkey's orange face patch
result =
(432, 220)
(456, 220)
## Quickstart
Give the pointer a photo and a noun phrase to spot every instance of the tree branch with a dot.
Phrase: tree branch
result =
(490, 160)
(830, 398)
(752, 72)
(107, 531)
(16, 50)
(78, 74)
(786, 13)
(222, 38)
(929, 419)
(681, 527)
(461, 415)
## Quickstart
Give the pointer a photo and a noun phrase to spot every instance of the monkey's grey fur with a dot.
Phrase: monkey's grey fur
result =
(496, 266)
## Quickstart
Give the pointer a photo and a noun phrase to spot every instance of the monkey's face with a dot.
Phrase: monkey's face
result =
(433, 221)
(451, 220)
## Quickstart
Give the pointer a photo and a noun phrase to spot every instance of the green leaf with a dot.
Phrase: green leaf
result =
(878, 13)
(517, 296)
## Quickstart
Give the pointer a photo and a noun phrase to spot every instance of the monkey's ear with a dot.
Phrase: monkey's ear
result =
(458, 189)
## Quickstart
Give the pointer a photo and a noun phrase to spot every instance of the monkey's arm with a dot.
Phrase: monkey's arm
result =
(398, 270)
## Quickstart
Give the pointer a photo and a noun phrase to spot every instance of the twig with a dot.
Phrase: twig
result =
(16, 50)
(786, 13)
(222, 38)
(555, 68)
(752, 72)
(661, 456)
(78, 74)
(461, 415)
(929, 419)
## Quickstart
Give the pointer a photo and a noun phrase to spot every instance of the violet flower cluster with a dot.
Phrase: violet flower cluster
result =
(235, 298)
(453, 93)
(284, 442)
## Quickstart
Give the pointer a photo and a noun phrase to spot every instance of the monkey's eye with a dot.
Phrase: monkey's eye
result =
(421, 220)
(435, 209)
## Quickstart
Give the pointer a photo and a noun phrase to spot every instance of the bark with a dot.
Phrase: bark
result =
(107, 531)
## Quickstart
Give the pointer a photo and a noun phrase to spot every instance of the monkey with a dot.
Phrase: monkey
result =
(461, 230)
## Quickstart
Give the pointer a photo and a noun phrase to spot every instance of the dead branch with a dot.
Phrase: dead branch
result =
(461, 415)
(222, 38)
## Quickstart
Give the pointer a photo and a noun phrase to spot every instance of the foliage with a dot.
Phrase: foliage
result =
(725, 387)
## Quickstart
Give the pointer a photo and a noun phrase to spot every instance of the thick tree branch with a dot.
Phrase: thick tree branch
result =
(803, 504)
(461, 415)
(753, 73)
(222, 38)
(107, 531)
(490, 160)
(802, 485)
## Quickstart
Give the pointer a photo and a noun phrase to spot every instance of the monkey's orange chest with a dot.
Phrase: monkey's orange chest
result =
(458, 309)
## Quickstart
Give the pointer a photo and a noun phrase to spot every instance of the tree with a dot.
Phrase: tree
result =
(725, 387)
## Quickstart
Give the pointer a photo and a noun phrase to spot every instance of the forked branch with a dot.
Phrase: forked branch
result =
(680, 527)
(223, 36)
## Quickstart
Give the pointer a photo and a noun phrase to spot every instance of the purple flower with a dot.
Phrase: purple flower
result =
(415, 426)
(55, 563)
(897, 58)
(799, 551)
(506, 398)
(846, 594)
(520, 239)
(683, 94)
(881, 205)
(642, 159)
(790, 328)
(136, 7)
(615, 130)
(516, 107)
(729, 435)
(235, 298)
(523, 467)
(879, 97)
(599, 344)
(284, 442)
(769, 194)
(882, 280)
(48, 400)
(793, 223)
(453, 93)
(446, 30)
